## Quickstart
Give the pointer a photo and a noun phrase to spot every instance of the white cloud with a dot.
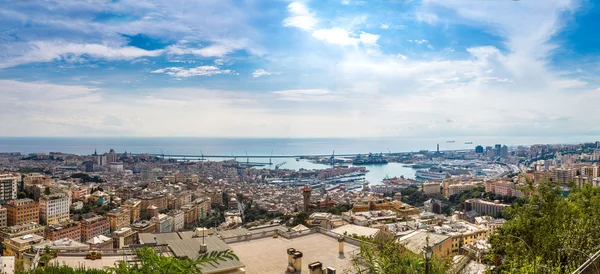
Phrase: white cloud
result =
(306, 95)
(300, 17)
(384, 26)
(423, 41)
(403, 57)
(197, 71)
(345, 2)
(340, 36)
(260, 72)
(46, 51)
(427, 17)
(219, 48)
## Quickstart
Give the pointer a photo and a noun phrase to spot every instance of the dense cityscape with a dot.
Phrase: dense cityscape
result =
(110, 203)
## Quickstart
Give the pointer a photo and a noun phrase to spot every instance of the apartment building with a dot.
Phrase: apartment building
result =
(70, 230)
(485, 207)
(118, 218)
(22, 211)
(3, 216)
(135, 208)
(54, 208)
(93, 227)
(8, 186)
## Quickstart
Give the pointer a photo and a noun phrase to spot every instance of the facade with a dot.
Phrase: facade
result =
(458, 188)
(190, 214)
(100, 242)
(432, 188)
(564, 175)
(178, 219)
(119, 218)
(164, 223)
(20, 230)
(17, 246)
(124, 237)
(70, 230)
(176, 201)
(54, 209)
(504, 188)
(94, 226)
(8, 186)
(484, 207)
(3, 217)
(216, 196)
(22, 211)
(135, 207)
(159, 201)
(144, 227)
(116, 167)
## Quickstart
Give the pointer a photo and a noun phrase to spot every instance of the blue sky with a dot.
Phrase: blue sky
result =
(344, 68)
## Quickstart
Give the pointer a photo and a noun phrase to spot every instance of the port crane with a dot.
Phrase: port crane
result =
(277, 166)
(332, 159)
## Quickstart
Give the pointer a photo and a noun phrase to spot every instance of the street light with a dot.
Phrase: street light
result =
(530, 250)
(585, 254)
(427, 253)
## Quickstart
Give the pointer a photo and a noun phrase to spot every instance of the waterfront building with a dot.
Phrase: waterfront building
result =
(431, 188)
(22, 211)
(54, 208)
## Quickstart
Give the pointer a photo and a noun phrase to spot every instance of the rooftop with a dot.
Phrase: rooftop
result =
(417, 240)
(269, 255)
(351, 229)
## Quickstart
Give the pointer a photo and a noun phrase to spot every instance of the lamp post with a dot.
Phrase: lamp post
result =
(427, 254)
(530, 250)
(585, 254)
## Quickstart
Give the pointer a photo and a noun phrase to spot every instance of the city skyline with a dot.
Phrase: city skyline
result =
(408, 69)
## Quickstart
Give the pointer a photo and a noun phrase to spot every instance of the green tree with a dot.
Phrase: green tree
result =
(153, 262)
(390, 257)
(47, 191)
(21, 195)
(548, 231)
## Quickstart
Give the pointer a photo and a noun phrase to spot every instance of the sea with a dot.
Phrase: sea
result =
(247, 146)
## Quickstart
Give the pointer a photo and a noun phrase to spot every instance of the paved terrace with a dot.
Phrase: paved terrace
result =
(269, 255)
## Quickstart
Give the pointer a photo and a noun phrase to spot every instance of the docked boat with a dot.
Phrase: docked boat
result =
(423, 174)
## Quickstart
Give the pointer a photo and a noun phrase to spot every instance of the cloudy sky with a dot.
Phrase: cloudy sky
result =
(339, 68)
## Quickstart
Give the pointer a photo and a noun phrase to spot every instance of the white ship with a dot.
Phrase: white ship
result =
(431, 175)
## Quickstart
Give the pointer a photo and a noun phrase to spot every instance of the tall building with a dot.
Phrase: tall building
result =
(22, 211)
(504, 152)
(111, 156)
(93, 227)
(306, 192)
(497, 149)
(8, 186)
(89, 166)
(54, 209)
(479, 149)
(119, 218)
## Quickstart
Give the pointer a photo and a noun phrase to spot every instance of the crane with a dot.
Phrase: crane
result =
(277, 166)
(332, 159)
(270, 163)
